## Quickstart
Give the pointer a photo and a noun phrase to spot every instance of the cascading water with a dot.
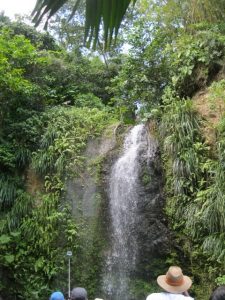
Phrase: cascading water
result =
(124, 195)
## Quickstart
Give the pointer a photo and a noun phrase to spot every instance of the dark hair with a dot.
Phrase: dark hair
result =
(78, 293)
(218, 294)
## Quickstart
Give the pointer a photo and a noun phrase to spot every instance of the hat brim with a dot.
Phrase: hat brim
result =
(161, 280)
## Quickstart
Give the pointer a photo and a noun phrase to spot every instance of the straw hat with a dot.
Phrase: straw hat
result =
(174, 281)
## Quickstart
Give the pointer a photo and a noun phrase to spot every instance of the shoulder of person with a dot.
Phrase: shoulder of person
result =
(160, 296)
(183, 297)
(155, 296)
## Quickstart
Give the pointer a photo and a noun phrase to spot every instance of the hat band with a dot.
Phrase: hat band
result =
(172, 282)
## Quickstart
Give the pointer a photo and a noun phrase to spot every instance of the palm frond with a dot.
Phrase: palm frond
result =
(22, 206)
(7, 192)
(110, 12)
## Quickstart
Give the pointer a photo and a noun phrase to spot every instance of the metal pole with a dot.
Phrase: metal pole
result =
(69, 254)
(69, 279)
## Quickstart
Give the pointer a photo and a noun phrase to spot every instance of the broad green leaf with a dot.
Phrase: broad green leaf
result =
(9, 258)
(5, 239)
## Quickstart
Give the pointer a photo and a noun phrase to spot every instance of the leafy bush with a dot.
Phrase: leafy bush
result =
(88, 100)
(62, 142)
(34, 253)
(194, 185)
(194, 59)
(184, 146)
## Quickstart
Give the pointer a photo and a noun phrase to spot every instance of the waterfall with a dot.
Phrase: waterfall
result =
(124, 196)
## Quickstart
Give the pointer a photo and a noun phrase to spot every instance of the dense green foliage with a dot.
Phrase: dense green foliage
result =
(38, 229)
(55, 97)
(41, 146)
(195, 189)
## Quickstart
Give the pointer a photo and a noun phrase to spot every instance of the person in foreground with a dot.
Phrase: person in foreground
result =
(218, 294)
(174, 284)
(57, 296)
(79, 293)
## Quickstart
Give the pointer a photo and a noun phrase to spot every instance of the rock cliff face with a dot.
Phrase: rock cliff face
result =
(153, 235)
(85, 195)
(84, 190)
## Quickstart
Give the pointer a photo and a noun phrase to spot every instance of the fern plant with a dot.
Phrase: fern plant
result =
(63, 141)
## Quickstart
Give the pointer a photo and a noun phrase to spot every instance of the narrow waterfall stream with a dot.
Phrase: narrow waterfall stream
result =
(125, 197)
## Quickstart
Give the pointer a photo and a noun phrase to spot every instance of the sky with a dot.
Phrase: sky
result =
(12, 7)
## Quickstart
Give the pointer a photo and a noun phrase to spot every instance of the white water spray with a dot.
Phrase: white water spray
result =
(123, 193)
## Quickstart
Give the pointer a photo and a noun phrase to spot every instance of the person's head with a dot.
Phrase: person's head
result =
(78, 293)
(56, 296)
(174, 281)
(218, 294)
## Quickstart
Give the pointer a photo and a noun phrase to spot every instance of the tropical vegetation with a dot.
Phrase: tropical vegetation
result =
(56, 95)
